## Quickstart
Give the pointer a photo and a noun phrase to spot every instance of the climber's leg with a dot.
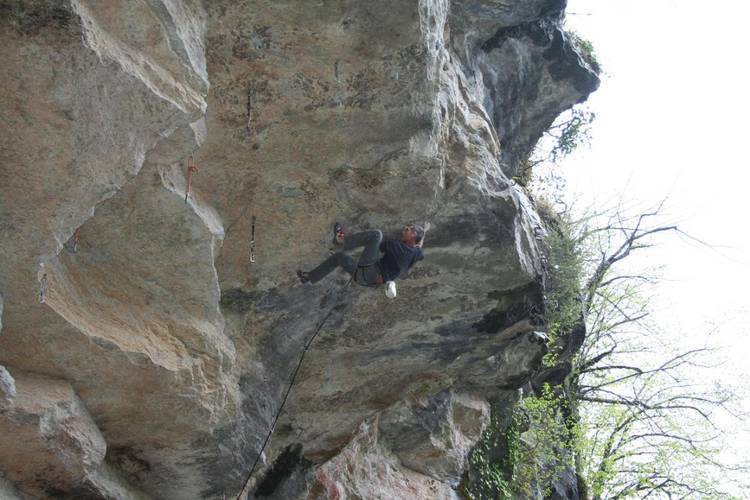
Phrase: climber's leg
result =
(370, 240)
(339, 259)
(368, 276)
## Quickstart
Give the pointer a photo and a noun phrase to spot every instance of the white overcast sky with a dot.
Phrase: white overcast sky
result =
(672, 121)
(672, 115)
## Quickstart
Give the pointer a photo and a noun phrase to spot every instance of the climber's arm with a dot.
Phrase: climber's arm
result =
(426, 228)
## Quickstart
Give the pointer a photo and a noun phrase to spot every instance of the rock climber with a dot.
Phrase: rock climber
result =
(371, 269)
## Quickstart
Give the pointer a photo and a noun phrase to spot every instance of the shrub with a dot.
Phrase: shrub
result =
(586, 49)
(522, 455)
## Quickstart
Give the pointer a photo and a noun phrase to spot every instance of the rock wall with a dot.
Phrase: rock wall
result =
(145, 356)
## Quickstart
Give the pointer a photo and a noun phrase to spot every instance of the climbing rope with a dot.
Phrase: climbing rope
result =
(291, 383)
(192, 168)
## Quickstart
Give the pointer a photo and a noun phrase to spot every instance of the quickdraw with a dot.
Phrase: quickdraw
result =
(191, 169)
(43, 285)
(76, 239)
(252, 241)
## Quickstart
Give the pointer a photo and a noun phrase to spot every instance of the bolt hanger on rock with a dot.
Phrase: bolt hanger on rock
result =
(191, 169)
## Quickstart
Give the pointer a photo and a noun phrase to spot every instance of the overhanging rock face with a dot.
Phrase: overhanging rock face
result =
(173, 344)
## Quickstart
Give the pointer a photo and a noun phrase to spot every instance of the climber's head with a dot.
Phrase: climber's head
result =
(412, 234)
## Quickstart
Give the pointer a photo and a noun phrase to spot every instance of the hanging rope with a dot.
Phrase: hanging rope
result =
(291, 383)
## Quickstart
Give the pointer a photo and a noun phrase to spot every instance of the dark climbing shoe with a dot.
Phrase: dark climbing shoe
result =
(338, 230)
(303, 276)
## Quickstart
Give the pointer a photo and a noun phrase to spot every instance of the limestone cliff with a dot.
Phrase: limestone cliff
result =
(145, 356)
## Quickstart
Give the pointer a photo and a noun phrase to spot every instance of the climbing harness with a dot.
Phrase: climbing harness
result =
(76, 239)
(43, 285)
(192, 168)
(252, 241)
(291, 384)
(364, 282)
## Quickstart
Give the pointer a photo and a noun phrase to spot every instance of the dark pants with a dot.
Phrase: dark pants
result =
(364, 270)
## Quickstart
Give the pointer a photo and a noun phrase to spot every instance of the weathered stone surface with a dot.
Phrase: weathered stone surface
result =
(297, 114)
(107, 482)
(365, 468)
(8, 491)
(413, 120)
(51, 446)
(473, 22)
(434, 436)
(7, 388)
(90, 127)
(47, 437)
(548, 76)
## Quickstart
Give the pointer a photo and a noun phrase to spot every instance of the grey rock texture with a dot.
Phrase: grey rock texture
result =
(433, 436)
(47, 437)
(8, 491)
(7, 388)
(366, 468)
(160, 343)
